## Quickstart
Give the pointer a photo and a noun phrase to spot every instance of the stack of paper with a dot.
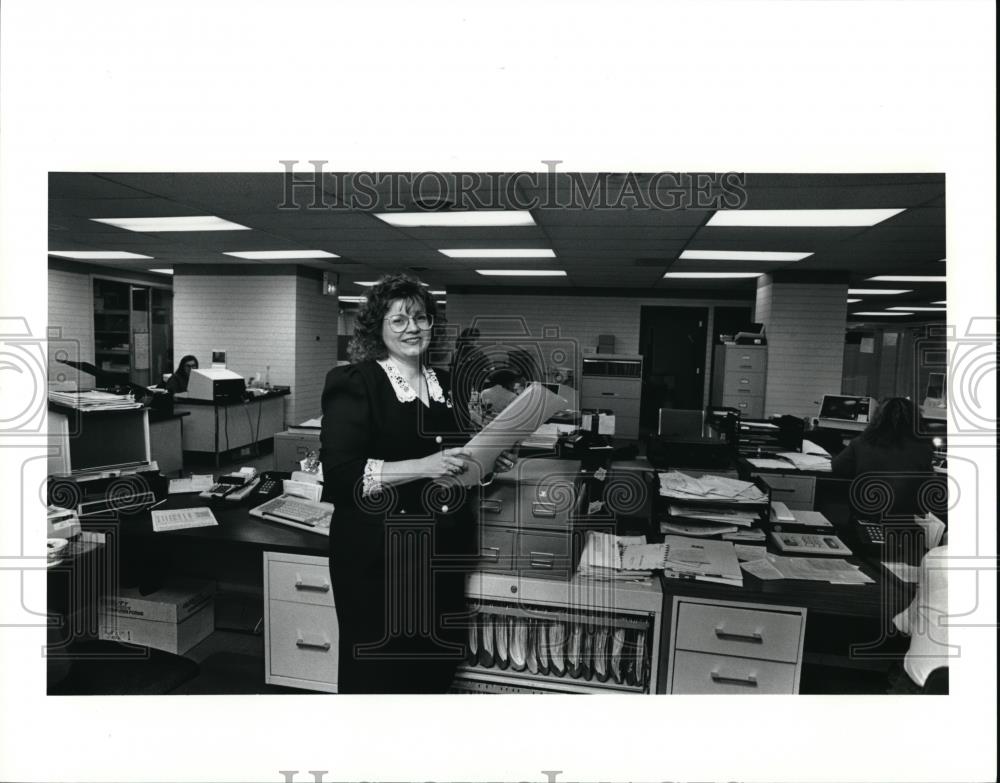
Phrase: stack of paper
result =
(604, 557)
(546, 436)
(805, 461)
(718, 514)
(706, 561)
(681, 486)
(834, 570)
(94, 400)
(745, 535)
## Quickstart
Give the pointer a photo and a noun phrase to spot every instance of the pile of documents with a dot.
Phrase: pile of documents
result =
(719, 489)
(609, 557)
(546, 436)
(834, 570)
(94, 400)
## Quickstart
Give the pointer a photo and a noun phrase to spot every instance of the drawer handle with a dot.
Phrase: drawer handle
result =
(490, 553)
(542, 559)
(304, 644)
(305, 584)
(744, 380)
(782, 489)
(742, 391)
(493, 506)
(543, 509)
(608, 394)
(750, 681)
(728, 636)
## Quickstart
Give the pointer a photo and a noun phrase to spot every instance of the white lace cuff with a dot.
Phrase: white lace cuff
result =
(372, 481)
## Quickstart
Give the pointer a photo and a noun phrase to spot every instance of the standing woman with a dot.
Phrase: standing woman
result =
(403, 532)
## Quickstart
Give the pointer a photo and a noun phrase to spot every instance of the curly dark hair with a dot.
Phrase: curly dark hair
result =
(893, 423)
(366, 343)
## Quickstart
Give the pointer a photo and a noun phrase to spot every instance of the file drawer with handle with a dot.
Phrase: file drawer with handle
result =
(699, 673)
(302, 646)
(307, 583)
(733, 630)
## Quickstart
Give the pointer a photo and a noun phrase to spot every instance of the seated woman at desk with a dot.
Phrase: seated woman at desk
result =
(403, 534)
(891, 455)
(178, 382)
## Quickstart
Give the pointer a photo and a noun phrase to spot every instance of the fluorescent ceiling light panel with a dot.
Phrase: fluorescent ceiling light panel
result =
(352, 298)
(438, 293)
(922, 309)
(740, 255)
(499, 252)
(275, 255)
(941, 302)
(458, 219)
(908, 279)
(98, 255)
(163, 271)
(883, 313)
(190, 223)
(712, 275)
(801, 218)
(853, 301)
(876, 291)
(521, 272)
(365, 283)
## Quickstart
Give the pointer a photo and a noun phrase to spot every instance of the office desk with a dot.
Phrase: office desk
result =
(846, 626)
(803, 489)
(217, 427)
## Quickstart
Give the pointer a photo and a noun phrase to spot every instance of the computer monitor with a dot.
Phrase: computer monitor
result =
(843, 412)
(216, 385)
(98, 441)
(935, 404)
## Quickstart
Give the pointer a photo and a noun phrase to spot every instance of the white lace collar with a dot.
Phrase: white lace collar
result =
(404, 392)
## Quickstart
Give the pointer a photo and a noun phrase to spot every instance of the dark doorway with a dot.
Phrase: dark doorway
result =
(672, 343)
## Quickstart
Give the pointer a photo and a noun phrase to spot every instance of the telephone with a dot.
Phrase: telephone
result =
(270, 485)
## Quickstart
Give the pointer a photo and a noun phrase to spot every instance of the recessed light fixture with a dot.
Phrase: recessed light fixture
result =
(275, 255)
(882, 313)
(499, 252)
(940, 302)
(877, 291)
(740, 255)
(98, 255)
(438, 293)
(466, 219)
(908, 279)
(365, 283)
(521, 272)
(922, 309)
(853, 301)
(163, 271)
(712, 275)
(801, 218)
(442, 301)
(190, 223)
(352, 298)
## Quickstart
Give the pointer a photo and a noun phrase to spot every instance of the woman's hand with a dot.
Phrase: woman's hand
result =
(447, 462)
(505, 461)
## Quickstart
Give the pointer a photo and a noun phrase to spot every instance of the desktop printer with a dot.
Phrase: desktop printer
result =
(216, 385)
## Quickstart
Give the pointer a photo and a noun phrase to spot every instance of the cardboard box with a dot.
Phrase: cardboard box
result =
(175, 638)
(174, 602)
(174, 618)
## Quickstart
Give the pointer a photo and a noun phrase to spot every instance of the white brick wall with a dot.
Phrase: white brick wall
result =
(71, 309)
(316, 316)
(805, 324)
(261, 321)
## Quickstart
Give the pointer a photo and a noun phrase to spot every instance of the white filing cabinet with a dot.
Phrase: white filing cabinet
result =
(300, 622)
(739, 375)
(733, 647)
(614, 382)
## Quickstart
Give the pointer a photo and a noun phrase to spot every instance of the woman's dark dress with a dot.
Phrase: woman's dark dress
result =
(398, 557)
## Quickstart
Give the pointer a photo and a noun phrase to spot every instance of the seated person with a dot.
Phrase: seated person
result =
(500, 390)
(178, 382)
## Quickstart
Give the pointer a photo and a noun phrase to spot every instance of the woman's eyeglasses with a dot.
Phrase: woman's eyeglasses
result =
(399, 322)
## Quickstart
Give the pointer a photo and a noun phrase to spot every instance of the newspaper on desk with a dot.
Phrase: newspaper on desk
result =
(681, 486)
(834, 570)
(525, 414)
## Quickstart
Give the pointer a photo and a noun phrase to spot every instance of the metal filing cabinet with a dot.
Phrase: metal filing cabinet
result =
(731, 647)
(300, 623)
(614, 382)
(739, 376)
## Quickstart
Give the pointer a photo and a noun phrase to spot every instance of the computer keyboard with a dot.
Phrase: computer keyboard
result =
(297, 512)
